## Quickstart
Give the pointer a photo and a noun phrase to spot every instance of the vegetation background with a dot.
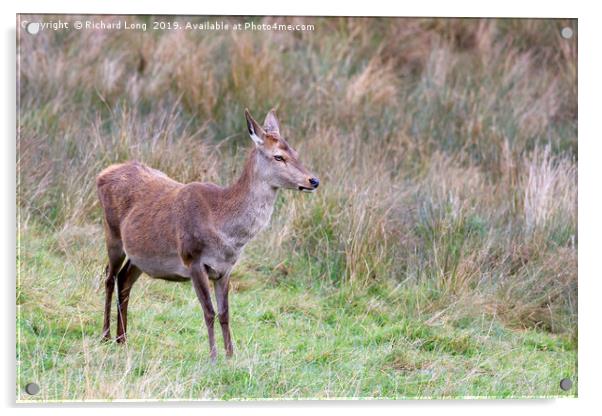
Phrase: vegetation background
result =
(437, 259)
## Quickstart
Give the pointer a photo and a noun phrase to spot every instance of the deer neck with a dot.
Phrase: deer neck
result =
(252, 203)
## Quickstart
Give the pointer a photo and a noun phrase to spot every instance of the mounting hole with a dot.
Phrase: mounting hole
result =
(566, 384)
(566, 32)
(32, 28)
(32, 389)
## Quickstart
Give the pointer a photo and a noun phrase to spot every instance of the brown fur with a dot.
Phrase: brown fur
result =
(196, 231)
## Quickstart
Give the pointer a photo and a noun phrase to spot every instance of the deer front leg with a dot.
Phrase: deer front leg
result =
(221, 287)
(200, 281)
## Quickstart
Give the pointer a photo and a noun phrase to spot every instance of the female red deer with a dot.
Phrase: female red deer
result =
(196, 231)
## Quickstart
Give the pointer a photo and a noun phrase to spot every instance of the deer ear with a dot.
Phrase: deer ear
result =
(271, 123)
(255, 130)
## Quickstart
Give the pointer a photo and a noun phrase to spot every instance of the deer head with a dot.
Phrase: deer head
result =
(277, 161)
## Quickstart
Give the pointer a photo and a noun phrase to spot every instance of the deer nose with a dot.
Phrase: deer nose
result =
(315, 182)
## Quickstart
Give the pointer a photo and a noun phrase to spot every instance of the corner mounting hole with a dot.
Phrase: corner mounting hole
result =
(566, 384)
(32, 389)
(32, 28)
(566, 32)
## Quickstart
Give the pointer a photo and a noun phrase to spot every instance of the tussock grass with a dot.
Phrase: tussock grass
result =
(439, 256)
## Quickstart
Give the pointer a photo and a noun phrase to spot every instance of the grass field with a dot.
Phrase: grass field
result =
(437, 259)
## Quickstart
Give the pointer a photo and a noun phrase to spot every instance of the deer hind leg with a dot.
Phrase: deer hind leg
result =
(125, 280)
(221, 287)
(116, 257)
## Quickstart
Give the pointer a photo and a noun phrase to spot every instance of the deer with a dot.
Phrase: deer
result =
(196, 231)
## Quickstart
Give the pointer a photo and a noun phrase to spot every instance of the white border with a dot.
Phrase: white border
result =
(590, 210)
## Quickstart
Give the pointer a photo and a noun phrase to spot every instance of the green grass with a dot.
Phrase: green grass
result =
(293, 339)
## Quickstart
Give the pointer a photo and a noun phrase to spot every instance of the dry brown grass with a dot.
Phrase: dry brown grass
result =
(446, 148)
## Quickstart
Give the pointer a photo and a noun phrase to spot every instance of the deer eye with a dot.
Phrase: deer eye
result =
(279, 158)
